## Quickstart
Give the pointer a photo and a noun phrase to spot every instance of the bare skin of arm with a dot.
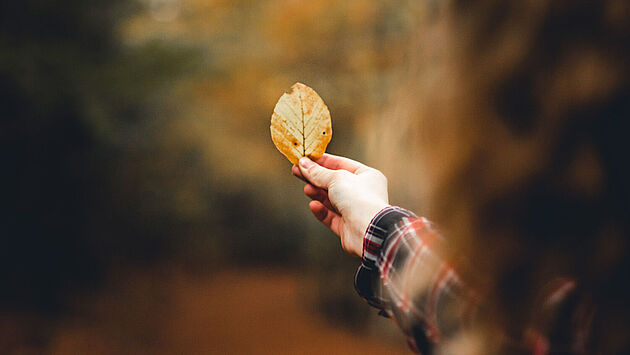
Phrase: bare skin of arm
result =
(346, 196)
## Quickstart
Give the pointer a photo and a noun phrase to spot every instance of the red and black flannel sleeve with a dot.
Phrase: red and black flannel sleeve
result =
(402, 276)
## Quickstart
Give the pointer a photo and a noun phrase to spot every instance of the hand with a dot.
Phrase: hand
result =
(346, 196)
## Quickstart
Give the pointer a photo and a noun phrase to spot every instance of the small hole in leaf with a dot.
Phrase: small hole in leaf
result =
(324, 132)
(294, 143)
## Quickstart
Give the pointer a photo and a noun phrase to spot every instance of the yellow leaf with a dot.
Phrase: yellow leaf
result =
(300, 124)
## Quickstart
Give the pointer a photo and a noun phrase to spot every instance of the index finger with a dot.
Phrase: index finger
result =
(335, 162)
(298, 174)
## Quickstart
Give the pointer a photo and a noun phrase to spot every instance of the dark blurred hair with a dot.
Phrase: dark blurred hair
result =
(524, 132)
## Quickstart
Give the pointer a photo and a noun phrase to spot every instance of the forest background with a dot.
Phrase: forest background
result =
(145, 208)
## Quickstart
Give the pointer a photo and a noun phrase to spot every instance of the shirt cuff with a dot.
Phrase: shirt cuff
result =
(377, 232)
(367, 281)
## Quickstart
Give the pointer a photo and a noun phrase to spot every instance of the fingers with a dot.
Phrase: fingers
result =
(329, 218)
(335, 162)
(315, 173)
(331, 162)
(319, 210)
(297, 173)
(315, 193)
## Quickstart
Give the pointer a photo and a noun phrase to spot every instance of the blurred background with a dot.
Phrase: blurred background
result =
(144, 206)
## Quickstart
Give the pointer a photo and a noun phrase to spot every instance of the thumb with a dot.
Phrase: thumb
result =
(315, 173)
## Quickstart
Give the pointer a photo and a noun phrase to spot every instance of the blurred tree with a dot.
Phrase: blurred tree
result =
(72, 95)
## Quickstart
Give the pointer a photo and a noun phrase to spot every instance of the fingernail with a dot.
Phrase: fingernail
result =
(305, 162)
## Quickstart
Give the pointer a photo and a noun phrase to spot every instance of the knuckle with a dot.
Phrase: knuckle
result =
(343, 173)
(340, 175)
(342, 178)
(384, 179)
(315, 173)
(379, 175)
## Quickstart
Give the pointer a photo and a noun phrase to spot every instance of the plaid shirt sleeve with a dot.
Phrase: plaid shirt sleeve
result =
(402, 276)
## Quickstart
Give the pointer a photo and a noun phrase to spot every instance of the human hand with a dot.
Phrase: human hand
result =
(346, 196)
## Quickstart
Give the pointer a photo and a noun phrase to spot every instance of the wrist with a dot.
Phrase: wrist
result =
(361, 219)
(372, 210)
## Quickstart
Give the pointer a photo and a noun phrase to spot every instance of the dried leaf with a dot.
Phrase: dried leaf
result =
(300, 124)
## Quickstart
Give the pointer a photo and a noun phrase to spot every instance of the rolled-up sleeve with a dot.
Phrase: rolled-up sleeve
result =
(406, 280)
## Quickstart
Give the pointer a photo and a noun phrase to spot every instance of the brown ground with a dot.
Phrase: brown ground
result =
(234, 312)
